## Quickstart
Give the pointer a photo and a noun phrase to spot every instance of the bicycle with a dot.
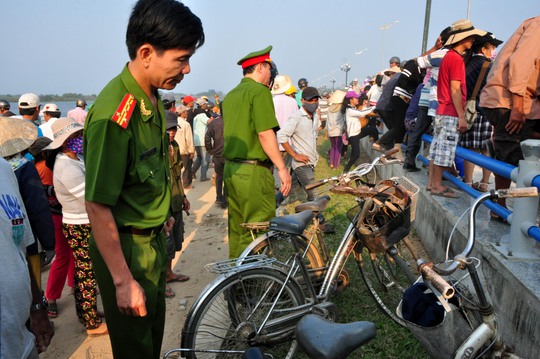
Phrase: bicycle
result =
(377, 264)
(472, 323)
(312, 244)
(257, 301)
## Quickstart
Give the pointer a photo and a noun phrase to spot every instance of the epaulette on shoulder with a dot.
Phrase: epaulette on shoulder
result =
(122, 115)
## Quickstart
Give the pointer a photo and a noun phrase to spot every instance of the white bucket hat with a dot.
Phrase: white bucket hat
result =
(281, 84)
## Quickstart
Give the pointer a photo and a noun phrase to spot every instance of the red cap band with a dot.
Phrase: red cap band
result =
(255, 60)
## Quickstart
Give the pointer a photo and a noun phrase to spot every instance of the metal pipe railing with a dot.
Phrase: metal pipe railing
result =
(501, 168)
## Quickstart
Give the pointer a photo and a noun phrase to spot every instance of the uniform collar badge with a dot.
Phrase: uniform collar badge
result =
(144, 110)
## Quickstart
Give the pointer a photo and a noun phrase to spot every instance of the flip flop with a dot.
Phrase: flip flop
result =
(169, 292)
(179, 278)
(448, 193)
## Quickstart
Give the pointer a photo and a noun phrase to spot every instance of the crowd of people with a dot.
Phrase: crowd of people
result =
(103, 192)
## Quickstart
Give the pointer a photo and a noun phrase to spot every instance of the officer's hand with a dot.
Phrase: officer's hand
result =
(286, 181)
(130, 299)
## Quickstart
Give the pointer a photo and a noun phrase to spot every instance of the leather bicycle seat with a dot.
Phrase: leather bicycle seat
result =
(317, 205)
(323, 339)
(292, 223)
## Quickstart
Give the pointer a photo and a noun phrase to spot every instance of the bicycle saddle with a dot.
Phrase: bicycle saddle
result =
(317, 205)
(323, 339)
(292, 223)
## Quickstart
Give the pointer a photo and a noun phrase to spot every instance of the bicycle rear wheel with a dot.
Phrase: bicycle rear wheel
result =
(229, 314)
(387, 275)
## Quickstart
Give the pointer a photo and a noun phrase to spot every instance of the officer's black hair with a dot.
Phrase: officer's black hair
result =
(164, 24)
(27, 111)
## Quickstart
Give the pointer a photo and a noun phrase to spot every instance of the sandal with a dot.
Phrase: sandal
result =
(448, 193)
(169, 292)
(52, 310)
(179, 278)
(480, 186)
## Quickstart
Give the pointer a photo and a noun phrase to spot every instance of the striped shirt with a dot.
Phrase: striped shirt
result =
(432, 62)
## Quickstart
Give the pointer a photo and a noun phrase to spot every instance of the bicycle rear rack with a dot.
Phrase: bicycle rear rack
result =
(236, 264)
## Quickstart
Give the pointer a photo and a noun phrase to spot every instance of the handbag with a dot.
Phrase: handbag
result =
(470, 105)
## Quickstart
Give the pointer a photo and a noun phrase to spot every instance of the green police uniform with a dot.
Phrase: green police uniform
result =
(127, 169)
(247, 110)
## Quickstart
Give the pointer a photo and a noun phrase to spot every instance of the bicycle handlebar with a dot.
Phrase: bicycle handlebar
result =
(348, 177)
(426, 269)
(494, 194)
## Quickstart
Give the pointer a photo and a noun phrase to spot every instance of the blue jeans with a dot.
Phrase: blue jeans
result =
(202, 161)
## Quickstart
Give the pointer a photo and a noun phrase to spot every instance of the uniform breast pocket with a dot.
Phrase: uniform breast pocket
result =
(150, 171)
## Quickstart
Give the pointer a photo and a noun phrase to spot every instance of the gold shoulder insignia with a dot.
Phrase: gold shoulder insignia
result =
(122, 115)
(144, 111)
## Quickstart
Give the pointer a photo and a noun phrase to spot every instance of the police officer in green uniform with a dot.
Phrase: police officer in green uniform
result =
(128, 195)
(251, 149)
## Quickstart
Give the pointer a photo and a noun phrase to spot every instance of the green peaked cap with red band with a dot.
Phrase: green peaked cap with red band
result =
(255, 57)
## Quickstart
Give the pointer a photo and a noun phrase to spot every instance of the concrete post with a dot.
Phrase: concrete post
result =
(525, 210)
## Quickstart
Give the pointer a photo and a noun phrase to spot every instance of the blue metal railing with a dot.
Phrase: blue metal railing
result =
(501, 168)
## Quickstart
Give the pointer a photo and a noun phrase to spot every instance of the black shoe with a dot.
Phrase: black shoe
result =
(204, 179)
(410, 168)
(224, 205)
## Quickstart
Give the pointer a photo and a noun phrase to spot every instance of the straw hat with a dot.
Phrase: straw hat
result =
(390, 70)
(337, 97)
(16, 135)
(62, 129)
(462, 29)
(281, 84)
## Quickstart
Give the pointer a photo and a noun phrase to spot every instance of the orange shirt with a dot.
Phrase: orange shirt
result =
(516, 70)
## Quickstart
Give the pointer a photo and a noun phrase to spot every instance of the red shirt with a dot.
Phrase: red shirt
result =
(452, 69)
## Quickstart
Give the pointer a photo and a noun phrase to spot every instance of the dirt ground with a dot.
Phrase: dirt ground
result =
(206, 241)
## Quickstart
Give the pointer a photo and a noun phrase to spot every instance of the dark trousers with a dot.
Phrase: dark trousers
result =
(221, 190)
(354, 141)
(423, 122)
(395, 121)
(187, 176)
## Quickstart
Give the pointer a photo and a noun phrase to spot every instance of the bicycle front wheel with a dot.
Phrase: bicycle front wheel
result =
(387, 275)
(229, 316)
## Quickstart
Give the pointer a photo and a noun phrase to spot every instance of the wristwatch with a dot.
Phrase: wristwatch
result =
(42, 305)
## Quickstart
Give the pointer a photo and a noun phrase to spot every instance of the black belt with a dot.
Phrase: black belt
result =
(255, 162)
(140, 232)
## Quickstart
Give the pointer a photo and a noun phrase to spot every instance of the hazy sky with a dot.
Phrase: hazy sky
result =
(60, 46)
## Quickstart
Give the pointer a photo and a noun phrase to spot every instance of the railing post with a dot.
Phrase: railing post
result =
(525, 210)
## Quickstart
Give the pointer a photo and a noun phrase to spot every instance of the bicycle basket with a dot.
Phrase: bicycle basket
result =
(383, 220)
(449, 329)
